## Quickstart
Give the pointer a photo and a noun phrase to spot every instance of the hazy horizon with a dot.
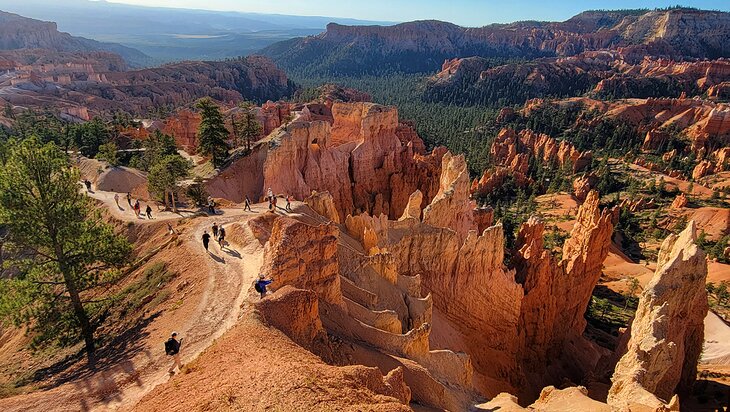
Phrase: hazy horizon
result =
(463, 12)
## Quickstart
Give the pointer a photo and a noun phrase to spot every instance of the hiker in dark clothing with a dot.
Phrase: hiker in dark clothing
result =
(87, 184)
(215, 230)
(129, 199)
(221, 237)
(206, 240)
(172, 348)
(288, 203)
(137, 208)
(247, 204)
(261, 284)
(149, 212)
(273, 203)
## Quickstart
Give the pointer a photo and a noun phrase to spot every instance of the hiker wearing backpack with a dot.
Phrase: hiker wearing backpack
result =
(247, 204)
(172, 348)
(149, 212)
(215, 230)
(261, 284)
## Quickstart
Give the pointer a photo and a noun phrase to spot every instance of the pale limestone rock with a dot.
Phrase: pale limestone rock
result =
(413, 208)
(667, 331)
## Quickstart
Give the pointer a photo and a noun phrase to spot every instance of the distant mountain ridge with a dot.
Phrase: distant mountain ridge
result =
(18, 32)
(424, 45)
(173, 34)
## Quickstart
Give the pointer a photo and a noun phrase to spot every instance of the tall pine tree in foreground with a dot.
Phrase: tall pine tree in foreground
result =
(212, 132)
(62, 254)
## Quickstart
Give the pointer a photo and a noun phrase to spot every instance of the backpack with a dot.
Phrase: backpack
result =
(170, 348)
(258, 287)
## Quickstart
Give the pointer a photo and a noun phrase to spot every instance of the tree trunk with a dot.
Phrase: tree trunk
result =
(167, 205)
(174, 205)
(78, 307)
(83, 318)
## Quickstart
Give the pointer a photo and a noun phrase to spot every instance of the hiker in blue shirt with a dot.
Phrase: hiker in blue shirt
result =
(261, 284)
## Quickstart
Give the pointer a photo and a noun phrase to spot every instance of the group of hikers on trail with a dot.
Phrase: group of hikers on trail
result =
(219, 234)
(272, 201)
(136, 207)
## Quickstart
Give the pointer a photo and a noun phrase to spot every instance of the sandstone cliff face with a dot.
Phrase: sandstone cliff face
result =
(452, 208)
(558, 293)
(535, 312)
(304, 257)
(359, 158)
(667, 331)
(138, 91)
(674, 33)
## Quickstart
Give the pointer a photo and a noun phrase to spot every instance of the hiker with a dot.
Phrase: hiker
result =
(148, 211)
(273, 203)
(137, 208)
(172, 348)
(261, 284)
(215, 230)
(288, 203)
(87, 184)
(269, 194)
(211, 206)
(129, 199)
(221, 237)
(116, 200)
(247, 204)
(170, 230)
(206, 239)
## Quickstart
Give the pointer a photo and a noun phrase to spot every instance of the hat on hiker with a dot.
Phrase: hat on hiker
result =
(261, 276)
(174, 334)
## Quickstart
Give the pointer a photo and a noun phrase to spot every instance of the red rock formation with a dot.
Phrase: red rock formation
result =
(680, 201)
(508, 146)
(451, 207)
(654, 140)
(359, 159)
(583, 185)
(702, 169)
(558, 293)
(183, 126)
(667, 332)
(305, 257)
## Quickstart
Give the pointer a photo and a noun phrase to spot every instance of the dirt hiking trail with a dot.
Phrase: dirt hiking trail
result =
(220, 283)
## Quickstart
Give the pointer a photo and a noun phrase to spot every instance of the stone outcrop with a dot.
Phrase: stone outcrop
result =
(413, 208)
(135, 91)
(583, 185)
(296, 313)
(512, 152)
(359, 159)
(558, 293)
(680, 201)
(322, 203)
(452, 208)
(535, 313)
(304, 257)
(667, 332)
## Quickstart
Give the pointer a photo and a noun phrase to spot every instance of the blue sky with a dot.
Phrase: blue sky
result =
(464, 12)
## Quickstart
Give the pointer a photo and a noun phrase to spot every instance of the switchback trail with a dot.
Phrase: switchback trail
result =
(225, 276)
